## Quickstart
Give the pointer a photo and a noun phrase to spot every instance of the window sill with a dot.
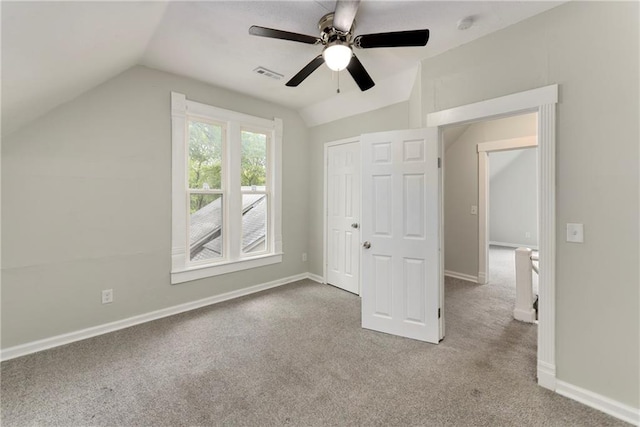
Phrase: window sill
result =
(200, 272)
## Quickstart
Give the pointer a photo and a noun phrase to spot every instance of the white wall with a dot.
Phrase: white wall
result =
(86, 206)
(461, 185)
(513, 197)
(591, 50)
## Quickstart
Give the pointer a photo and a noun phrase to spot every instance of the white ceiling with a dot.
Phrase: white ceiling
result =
(54, 51)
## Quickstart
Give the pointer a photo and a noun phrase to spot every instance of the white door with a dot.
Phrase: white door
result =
(343, 216)
(401, 271)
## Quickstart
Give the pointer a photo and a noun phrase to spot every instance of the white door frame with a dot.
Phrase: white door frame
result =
(325, 237)
(543, 101)
(483, 194)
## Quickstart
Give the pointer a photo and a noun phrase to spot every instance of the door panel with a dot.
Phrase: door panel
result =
(413, 280)
(413, 206)
(401, 280)
(343, 212)
(382, 285)
(382, 187)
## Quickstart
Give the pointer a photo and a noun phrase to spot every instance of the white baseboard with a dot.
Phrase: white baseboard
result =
(482, 278)
(58, 340)
(546, 375)
(461, 276)
(514, 245)
(315, 278)
(608, 406)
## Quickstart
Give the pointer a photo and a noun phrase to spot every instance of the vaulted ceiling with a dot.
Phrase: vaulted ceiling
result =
(54, 51)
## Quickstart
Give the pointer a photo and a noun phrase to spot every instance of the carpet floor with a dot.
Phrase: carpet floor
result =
(296, 355)
(502, 268)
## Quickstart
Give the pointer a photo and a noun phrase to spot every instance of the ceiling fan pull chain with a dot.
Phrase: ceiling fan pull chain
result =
(338, 73)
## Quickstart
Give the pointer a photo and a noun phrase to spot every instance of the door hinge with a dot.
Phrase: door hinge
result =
(439, 162)
(438, 313)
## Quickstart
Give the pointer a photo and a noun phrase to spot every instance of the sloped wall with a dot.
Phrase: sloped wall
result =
(86, 206)
(461, 186)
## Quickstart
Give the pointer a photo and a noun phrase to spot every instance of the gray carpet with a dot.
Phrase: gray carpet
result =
(296, 355)
(502, 268)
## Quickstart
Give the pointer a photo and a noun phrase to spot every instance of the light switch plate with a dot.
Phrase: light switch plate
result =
(474, 210)
(575, 233)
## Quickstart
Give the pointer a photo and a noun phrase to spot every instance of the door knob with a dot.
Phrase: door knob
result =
(366, 245)
(354, 225)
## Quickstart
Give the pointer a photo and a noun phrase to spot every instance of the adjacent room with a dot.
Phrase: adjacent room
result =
(307, 213)
(491, 195)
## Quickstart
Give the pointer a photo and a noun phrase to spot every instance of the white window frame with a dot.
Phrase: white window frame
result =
(182, 269)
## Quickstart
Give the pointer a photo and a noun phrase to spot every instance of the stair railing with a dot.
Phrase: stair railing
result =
(525, 267)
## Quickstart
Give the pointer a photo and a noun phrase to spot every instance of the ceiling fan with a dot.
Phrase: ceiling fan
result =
(336, 35)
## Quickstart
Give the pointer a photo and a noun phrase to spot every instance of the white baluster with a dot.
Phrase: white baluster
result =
(524, 287)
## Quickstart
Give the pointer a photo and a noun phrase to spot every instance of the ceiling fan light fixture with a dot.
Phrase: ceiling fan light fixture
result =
(337, 56)
(336, 35)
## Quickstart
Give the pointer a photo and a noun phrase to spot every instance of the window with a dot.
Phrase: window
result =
(225, 190)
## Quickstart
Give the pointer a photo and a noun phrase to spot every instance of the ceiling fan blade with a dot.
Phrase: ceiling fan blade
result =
(359, 74)
(255, 30)
(345, 14)
(306, 71)
(395, 39)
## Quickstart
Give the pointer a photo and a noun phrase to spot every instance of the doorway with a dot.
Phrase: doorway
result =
(512, 209)
(399, 241)
(543, 102)
(467, 189)
(519, 190)
(490, 207)
(342, 214)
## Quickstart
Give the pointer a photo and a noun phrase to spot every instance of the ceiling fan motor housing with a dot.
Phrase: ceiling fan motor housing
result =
(328, 33)
(336, 36)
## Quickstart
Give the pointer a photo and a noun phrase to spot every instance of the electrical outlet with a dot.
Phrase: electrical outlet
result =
(474, 210)
(527, 235)
(107, 296)
(304, 257)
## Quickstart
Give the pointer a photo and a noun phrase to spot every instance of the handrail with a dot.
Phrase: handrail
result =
(535, 258)
(524, 310)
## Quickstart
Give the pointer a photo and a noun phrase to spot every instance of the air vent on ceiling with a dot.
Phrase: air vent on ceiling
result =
(263, 71)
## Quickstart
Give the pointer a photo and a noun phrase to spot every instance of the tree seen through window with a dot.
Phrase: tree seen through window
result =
(205, 160)
(254, 159)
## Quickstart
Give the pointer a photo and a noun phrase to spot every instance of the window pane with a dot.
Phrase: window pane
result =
(254, 222)
(205, 155)
(205, 240)
(254, 160)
